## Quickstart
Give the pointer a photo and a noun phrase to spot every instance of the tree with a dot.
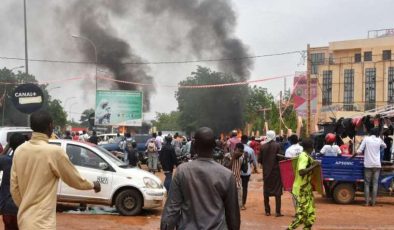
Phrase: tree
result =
(10, 116)
(57, 112)
(220, 108)
(258, 107)
(167, 121)
(85, 117)
(261, 107)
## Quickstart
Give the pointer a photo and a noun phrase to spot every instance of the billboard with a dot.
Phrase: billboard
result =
(300, 94)
(118, 107)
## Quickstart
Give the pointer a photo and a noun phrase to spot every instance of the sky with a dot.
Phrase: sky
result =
(265, 27)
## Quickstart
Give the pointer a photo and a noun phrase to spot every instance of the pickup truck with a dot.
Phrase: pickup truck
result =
(343, 177)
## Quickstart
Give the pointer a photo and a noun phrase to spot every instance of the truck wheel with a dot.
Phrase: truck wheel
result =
(129, 202)
(344, 194)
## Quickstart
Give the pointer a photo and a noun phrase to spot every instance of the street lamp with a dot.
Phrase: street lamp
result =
(70, 109)
(67, 99)
(17, 67)
(57, 87)
(25, 27)
(95, 51)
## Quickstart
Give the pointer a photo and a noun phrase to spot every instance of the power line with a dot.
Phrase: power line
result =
(159, 62)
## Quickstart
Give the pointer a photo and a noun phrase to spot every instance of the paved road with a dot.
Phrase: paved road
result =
(329, 216)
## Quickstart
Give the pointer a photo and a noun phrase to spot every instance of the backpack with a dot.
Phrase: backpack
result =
(245, 163)
(151, 147)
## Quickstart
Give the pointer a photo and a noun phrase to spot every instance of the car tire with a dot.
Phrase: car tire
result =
(129, 202)
(344, 194)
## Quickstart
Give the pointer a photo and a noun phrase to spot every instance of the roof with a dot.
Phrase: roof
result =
(15, 128)
(72, 141)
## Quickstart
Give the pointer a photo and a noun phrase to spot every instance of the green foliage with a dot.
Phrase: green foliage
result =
(290, 118)
(167, 121)
(85, 117)
(58, 114)
(261, 107)
(221, 109)
(12, 117)
(258, 100)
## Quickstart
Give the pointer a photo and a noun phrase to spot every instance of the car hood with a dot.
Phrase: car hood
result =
(139, 174)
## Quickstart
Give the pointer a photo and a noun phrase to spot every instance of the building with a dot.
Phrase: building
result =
(354, 76)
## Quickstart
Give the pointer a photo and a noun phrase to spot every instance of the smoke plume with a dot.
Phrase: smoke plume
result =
(112, 51)
(212, 24)
(208, 27)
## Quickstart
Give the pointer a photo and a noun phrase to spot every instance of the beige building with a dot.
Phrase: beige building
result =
(354, 76)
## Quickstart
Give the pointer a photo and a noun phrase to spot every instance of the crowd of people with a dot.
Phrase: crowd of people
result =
(205, 193)
(225, 194)
(31, 172)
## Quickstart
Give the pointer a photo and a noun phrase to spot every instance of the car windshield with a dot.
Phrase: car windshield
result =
(111, 157)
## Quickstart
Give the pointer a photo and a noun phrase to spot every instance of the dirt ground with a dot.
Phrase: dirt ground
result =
(329, 215)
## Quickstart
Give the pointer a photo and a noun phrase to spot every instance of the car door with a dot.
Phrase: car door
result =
(88, 163)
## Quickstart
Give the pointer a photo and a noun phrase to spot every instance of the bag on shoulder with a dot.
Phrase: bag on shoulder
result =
(151, 147)
(245, 163)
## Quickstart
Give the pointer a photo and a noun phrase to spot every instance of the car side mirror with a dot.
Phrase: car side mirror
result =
(103, 166)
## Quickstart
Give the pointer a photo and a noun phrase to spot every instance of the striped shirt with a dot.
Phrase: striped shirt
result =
(236, 168)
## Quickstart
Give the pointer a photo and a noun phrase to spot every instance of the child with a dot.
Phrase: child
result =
(302, 188)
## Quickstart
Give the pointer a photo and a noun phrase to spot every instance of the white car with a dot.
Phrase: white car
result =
(128, 189)
(6, 132)
(107, 138)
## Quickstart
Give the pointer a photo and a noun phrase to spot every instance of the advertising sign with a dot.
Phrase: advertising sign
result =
(301, 94)
(28, 98)
(118, 107)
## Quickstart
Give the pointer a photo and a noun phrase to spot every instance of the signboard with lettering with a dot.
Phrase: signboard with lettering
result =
(118, 107)
(28, 98)
(300, 94)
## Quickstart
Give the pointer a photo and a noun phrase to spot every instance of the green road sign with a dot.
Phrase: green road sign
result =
(118, 107)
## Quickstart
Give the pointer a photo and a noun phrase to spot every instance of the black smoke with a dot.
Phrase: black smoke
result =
(207, 32)
(112, 51)
(212, 24)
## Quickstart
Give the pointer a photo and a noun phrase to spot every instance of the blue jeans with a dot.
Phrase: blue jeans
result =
(371, 175)
(167, 180)
(152, 162)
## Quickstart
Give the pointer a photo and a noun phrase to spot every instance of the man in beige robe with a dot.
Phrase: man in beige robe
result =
(35, 175)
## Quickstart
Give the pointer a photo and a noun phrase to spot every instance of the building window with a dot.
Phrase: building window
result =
(316, 60)
(357, 57)
(368, 56)
(390, 98)
(327, 87)
(331, 59)
(386, 55)
(370, 88)
(348, 90)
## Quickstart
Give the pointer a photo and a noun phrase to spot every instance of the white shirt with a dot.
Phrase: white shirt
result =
(294, 151)
(159, 141)
(331, 150)
(371, 147)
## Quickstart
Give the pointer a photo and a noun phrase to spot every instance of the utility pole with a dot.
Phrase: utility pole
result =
(26, 55)
(280, 111)
(308, 83)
